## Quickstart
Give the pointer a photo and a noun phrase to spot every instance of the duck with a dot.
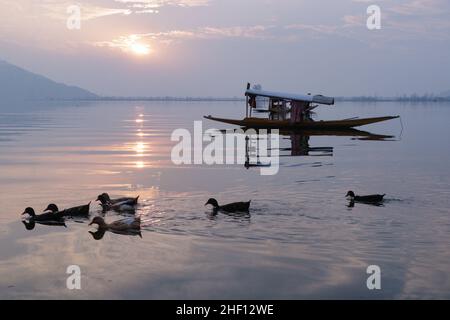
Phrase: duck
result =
(126, 207)
(46, 216)
(125, 204)
(80, 211)
(231, 207)
(373, 198)
(131, 225)
(104, 199)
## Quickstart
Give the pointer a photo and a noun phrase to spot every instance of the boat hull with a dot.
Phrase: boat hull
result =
(310, 125)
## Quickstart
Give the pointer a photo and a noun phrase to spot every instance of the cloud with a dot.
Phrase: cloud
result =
(204, 33)
(355, 20)
(319, 28)
(407, 20)
(88, 12)
(57, 10)
(419, 18)
(136, 7)
(255, 32)
(421, 7)
(155, 4)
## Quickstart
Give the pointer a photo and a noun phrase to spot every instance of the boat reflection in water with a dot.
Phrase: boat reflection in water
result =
(292, 114)
(300, 144)
(300, 140)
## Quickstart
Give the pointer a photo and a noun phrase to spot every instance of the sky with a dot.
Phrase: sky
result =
(214, 47)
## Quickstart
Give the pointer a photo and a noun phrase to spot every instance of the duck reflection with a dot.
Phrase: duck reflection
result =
(45, 218)
(98, 235)
(241, 217)
(129, 226)
(31, 224)
(351, 204)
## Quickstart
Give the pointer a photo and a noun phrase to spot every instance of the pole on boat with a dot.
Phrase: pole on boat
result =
(246, 101)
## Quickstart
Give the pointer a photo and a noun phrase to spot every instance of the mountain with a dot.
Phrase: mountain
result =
(19, 84)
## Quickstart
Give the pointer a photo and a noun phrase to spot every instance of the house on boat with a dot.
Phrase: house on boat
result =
(283, 106)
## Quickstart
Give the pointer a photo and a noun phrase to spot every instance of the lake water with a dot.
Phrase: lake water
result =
(300, 240)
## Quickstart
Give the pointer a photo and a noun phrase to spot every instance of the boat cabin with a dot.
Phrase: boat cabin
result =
(280, 105)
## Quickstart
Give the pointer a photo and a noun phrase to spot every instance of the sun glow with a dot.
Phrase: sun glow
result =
(140, 49)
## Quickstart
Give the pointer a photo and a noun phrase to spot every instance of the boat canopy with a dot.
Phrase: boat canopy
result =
(291, 97)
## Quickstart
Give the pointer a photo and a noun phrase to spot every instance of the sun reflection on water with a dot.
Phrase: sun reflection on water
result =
(140, 148)
(140, 164)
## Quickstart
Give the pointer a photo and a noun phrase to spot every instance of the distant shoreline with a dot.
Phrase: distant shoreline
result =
(236, 99)
(418, 99)
(395, 99)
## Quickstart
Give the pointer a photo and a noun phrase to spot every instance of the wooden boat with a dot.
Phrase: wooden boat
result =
(300, 112)
(309, 125)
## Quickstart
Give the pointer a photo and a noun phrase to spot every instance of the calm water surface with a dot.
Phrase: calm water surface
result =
(299, 241)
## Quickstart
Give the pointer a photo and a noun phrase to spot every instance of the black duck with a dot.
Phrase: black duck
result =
(373, 198)
(105, 199)
(46, 216)
(231, 207)
(80, 211)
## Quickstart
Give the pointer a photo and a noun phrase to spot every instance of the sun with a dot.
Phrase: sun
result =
(140, 49)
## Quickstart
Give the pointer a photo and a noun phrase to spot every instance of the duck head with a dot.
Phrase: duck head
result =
(103, 198)
(99, 221)
(29, 211)
(52, 208)
(212, 202)
(106, 196)
(350, 195)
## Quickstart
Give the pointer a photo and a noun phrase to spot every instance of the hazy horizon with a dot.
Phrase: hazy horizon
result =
(213, 47)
